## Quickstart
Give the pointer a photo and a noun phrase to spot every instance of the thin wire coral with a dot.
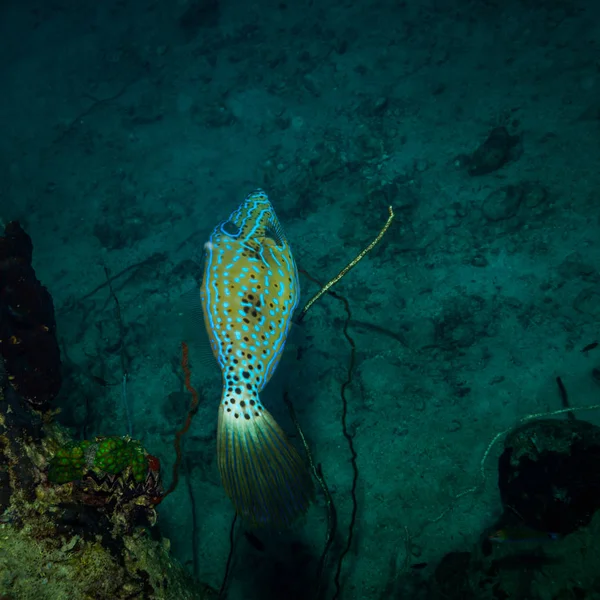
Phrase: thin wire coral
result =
(187, 374)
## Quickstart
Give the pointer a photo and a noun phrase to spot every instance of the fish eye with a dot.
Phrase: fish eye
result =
(230, 228)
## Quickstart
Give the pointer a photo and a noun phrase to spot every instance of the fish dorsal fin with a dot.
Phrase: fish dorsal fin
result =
(274, 231)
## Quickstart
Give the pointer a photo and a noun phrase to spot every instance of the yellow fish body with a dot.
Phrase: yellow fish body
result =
(249, 292)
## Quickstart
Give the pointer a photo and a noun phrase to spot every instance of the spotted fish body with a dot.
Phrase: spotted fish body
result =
(249, 292)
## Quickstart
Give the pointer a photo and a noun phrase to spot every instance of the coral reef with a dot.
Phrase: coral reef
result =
(69, 566)
(116, 474)
(93, 537)
(77, 518)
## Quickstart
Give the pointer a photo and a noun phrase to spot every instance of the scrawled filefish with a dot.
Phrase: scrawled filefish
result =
(249, 292)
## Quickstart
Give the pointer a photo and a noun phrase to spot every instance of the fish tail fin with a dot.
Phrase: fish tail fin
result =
(262, 473)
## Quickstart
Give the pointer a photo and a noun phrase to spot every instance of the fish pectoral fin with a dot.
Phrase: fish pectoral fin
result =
(262, 473)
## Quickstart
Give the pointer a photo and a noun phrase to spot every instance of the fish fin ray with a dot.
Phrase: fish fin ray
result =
(262, 473)
(274, 230)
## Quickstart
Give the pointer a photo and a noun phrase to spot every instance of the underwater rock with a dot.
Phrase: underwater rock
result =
(28, 347)
(537, 566)
(579, 266)
(326, 162)
(587, 302)
(502, 204)
(549, 476)
(543, 545)
(493, 154)
(370, 145)
(534, 194)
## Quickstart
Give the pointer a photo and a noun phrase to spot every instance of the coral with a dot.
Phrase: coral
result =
(77, 519)
(105, 456)
(91, 536)
(28, 347)
(68, 462)
(114, 474)
(71, 567)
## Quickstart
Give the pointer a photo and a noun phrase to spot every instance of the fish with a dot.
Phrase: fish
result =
(249, 292)
(522, 534)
